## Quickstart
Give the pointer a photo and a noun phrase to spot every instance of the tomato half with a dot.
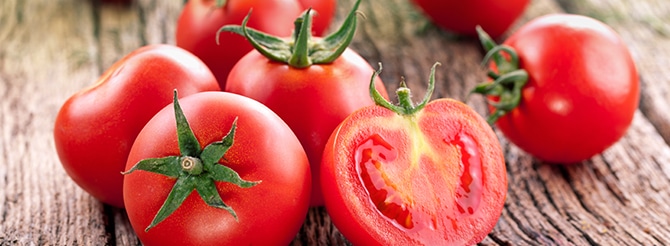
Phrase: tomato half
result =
(263, 150)
(495, 16)
(431, 175)
(96, 127)
(582, 88)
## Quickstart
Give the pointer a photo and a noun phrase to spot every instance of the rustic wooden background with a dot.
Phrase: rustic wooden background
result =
(51, 48)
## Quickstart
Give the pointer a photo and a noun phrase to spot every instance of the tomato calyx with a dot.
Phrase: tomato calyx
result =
(193, 169)
(405, 104)
(301, 50)
(508, 80)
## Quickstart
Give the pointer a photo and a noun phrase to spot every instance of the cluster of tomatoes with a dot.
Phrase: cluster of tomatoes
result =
(205, 144)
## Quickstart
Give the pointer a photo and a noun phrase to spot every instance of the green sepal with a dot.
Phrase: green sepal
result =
(507, 82)
(180, 191)
(193, 172)
(210, 195)
(224, 173)
(214, 152)
(405, 104)
(188, 144)
(272, 47)
(168, 166)
(301, 50)
(333, 45)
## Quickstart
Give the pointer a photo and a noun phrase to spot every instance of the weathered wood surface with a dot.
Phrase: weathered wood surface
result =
(50, 49)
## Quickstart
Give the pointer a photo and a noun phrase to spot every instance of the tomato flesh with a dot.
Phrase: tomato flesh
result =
(375, 158)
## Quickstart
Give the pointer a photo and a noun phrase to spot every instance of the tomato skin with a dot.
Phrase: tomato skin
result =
(494, 16)
(582, 93)
(430, 132)
(96, 127)
(325, 12)
(264, 149)
(312, 101)
(200, 20)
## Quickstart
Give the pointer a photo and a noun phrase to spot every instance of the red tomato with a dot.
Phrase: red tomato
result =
(312, 101)
(582, 89)
(433, 174)
(459, 16)
(200, 20)
(263, 150)
(96, 127)
(312, 98)
(325, 12)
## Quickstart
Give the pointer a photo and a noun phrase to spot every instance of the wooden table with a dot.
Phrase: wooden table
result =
(50, 49)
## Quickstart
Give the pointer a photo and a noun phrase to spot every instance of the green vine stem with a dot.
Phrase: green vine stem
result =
(405, 104)
(507, 79)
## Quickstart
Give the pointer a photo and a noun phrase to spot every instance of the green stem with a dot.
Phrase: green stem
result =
(405, 105)
(507, 82)
(300, 55)
(192, 165)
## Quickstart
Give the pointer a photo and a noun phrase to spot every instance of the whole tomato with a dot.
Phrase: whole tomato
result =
(565, 87)
(96, 127)
(229, 172)
(495, 16)
(311, 93)
(426, 174)
(200, 19)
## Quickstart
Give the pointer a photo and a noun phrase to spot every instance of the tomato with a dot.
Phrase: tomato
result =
(580, 90)
(495, 16)
(199, 21)
(325, 12)
(430, 174)
(96, 127)
(231, 150)
(312, 98)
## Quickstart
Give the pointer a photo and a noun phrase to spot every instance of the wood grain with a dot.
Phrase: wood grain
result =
(51, 49)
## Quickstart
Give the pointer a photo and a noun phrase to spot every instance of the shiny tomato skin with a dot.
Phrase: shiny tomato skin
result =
(325, 12)
(264, 149)
(494, 16)
(582, 93)
(312, 100)
(96, 127)
(421, 163)
(200, 20)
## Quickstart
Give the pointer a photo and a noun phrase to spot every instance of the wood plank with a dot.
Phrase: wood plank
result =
(39, 68)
